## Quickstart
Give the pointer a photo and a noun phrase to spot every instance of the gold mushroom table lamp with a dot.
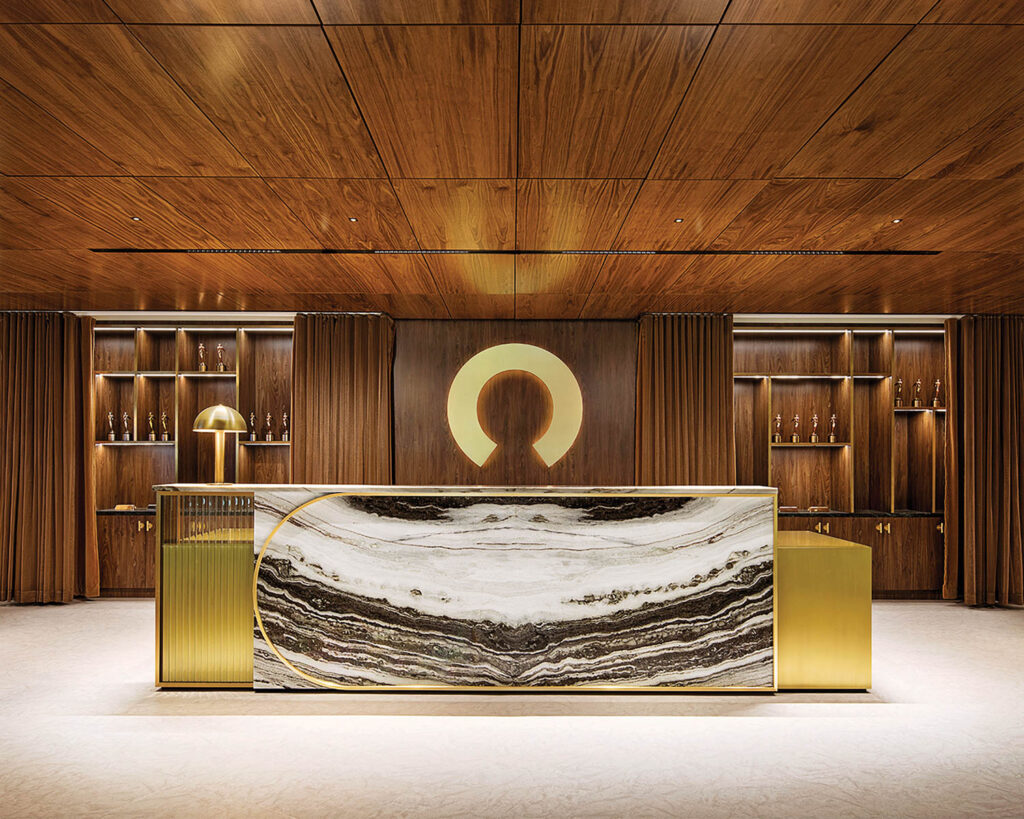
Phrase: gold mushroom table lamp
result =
(219, 420)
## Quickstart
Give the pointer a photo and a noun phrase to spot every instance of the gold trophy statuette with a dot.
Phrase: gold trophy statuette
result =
(270, 428)
(899, 392)
(202, 357)
(126, 434)
(795, 437)
(151, 420)
(814, 429)
(284, 427)
(936, 400)
(252, 426)
(164, 434)
(917, 393)
(832, 429)
(111, 435)
(777, 435)
(221, 366)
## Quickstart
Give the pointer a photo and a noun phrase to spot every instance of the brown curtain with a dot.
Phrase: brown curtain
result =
(48, 549)
(985, 460)
(684, 400)
(341, 396)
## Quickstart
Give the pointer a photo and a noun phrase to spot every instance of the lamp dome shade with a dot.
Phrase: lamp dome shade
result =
(219, 418)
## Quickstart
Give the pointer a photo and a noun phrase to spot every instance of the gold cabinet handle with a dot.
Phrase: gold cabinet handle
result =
(140, 526)
(888, 528)
(941, 526)
(878, 527)
(826, 527)
(149, 526)
(817, 526)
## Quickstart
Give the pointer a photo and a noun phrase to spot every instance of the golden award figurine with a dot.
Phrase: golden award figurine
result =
(795, 437)
(284, 427)
(917, 393)
(202, 357)
(814, 429)
(270, 427)
(832, 429)
(777, 435)
(151, 420)
(126, 434)
(899, 392)
(252, 426)
(221, 366)
(164, 434)
(936, 400)
(111, 435)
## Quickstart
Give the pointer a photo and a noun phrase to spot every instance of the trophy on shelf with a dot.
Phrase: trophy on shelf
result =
(795, 437)
(151, 420)
(832, 429)
(126, 434)
(777, 435)
(202, 357)
(936, 400)
(111, 435)
(221, 366)
(284, 427)
(164, 434)
(814, 429)
(899, 392)
(270, 427)
(917, 393)
(252, 426)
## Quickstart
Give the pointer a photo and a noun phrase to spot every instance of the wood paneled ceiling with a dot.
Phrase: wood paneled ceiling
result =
(585, 158)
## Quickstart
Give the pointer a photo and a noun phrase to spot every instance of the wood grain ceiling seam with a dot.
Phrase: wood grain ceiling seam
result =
(380, 157)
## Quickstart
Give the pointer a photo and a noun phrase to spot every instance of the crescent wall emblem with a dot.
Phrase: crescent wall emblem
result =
(561, 384)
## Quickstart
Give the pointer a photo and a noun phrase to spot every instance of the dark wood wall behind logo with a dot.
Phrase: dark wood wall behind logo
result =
(514, 407)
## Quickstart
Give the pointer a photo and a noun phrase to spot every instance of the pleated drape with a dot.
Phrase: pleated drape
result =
(48, 549)
(341, 398)
(985, 460)
(684, 400)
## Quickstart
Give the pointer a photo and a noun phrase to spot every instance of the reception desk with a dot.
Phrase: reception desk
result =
(390, 588)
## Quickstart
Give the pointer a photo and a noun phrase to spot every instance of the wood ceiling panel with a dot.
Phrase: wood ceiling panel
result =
(549, 305)
(440, 101)
(926, 94)
(480, 307)
(832, 11)
(417, 12)
(671, 12)
(258, 12)
(795, 214)
(110, 203)
(632, 305)
(571, 214)
(725, 274)
(556, 274)
(327, 206)
(640, 274)
(33, 142)
(992, 149)
(30, 221)
(357, 273)
(473, 274)
(977, 11)
(275, 92)
(706, 206)
(595, 101)
(99, 82)
(761, 92)
(55, 11)
(240, 213)
(460, 214)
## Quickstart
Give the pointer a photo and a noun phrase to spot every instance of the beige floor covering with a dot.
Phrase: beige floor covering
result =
(84, 733)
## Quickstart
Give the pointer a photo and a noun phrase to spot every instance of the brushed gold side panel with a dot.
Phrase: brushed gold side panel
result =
(824, 612)
(204, 611)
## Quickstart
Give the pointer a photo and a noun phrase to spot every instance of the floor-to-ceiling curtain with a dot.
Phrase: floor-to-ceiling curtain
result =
(48, 549)
(341, 398)
(985, 460)
(684, 400)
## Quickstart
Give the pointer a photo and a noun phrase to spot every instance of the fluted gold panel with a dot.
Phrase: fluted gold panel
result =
(204, 604)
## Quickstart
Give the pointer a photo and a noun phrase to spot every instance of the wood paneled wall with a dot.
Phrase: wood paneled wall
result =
(514, 407)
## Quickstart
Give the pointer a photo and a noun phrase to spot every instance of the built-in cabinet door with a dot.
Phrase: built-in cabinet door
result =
(825, 525)
(906, 555)
(127, 549)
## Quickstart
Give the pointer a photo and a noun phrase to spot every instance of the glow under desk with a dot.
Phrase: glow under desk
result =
(370, 587)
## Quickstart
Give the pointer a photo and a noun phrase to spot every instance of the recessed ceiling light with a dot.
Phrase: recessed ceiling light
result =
(352, 219)
(896, 221)
(678, 221)
(136, 218)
